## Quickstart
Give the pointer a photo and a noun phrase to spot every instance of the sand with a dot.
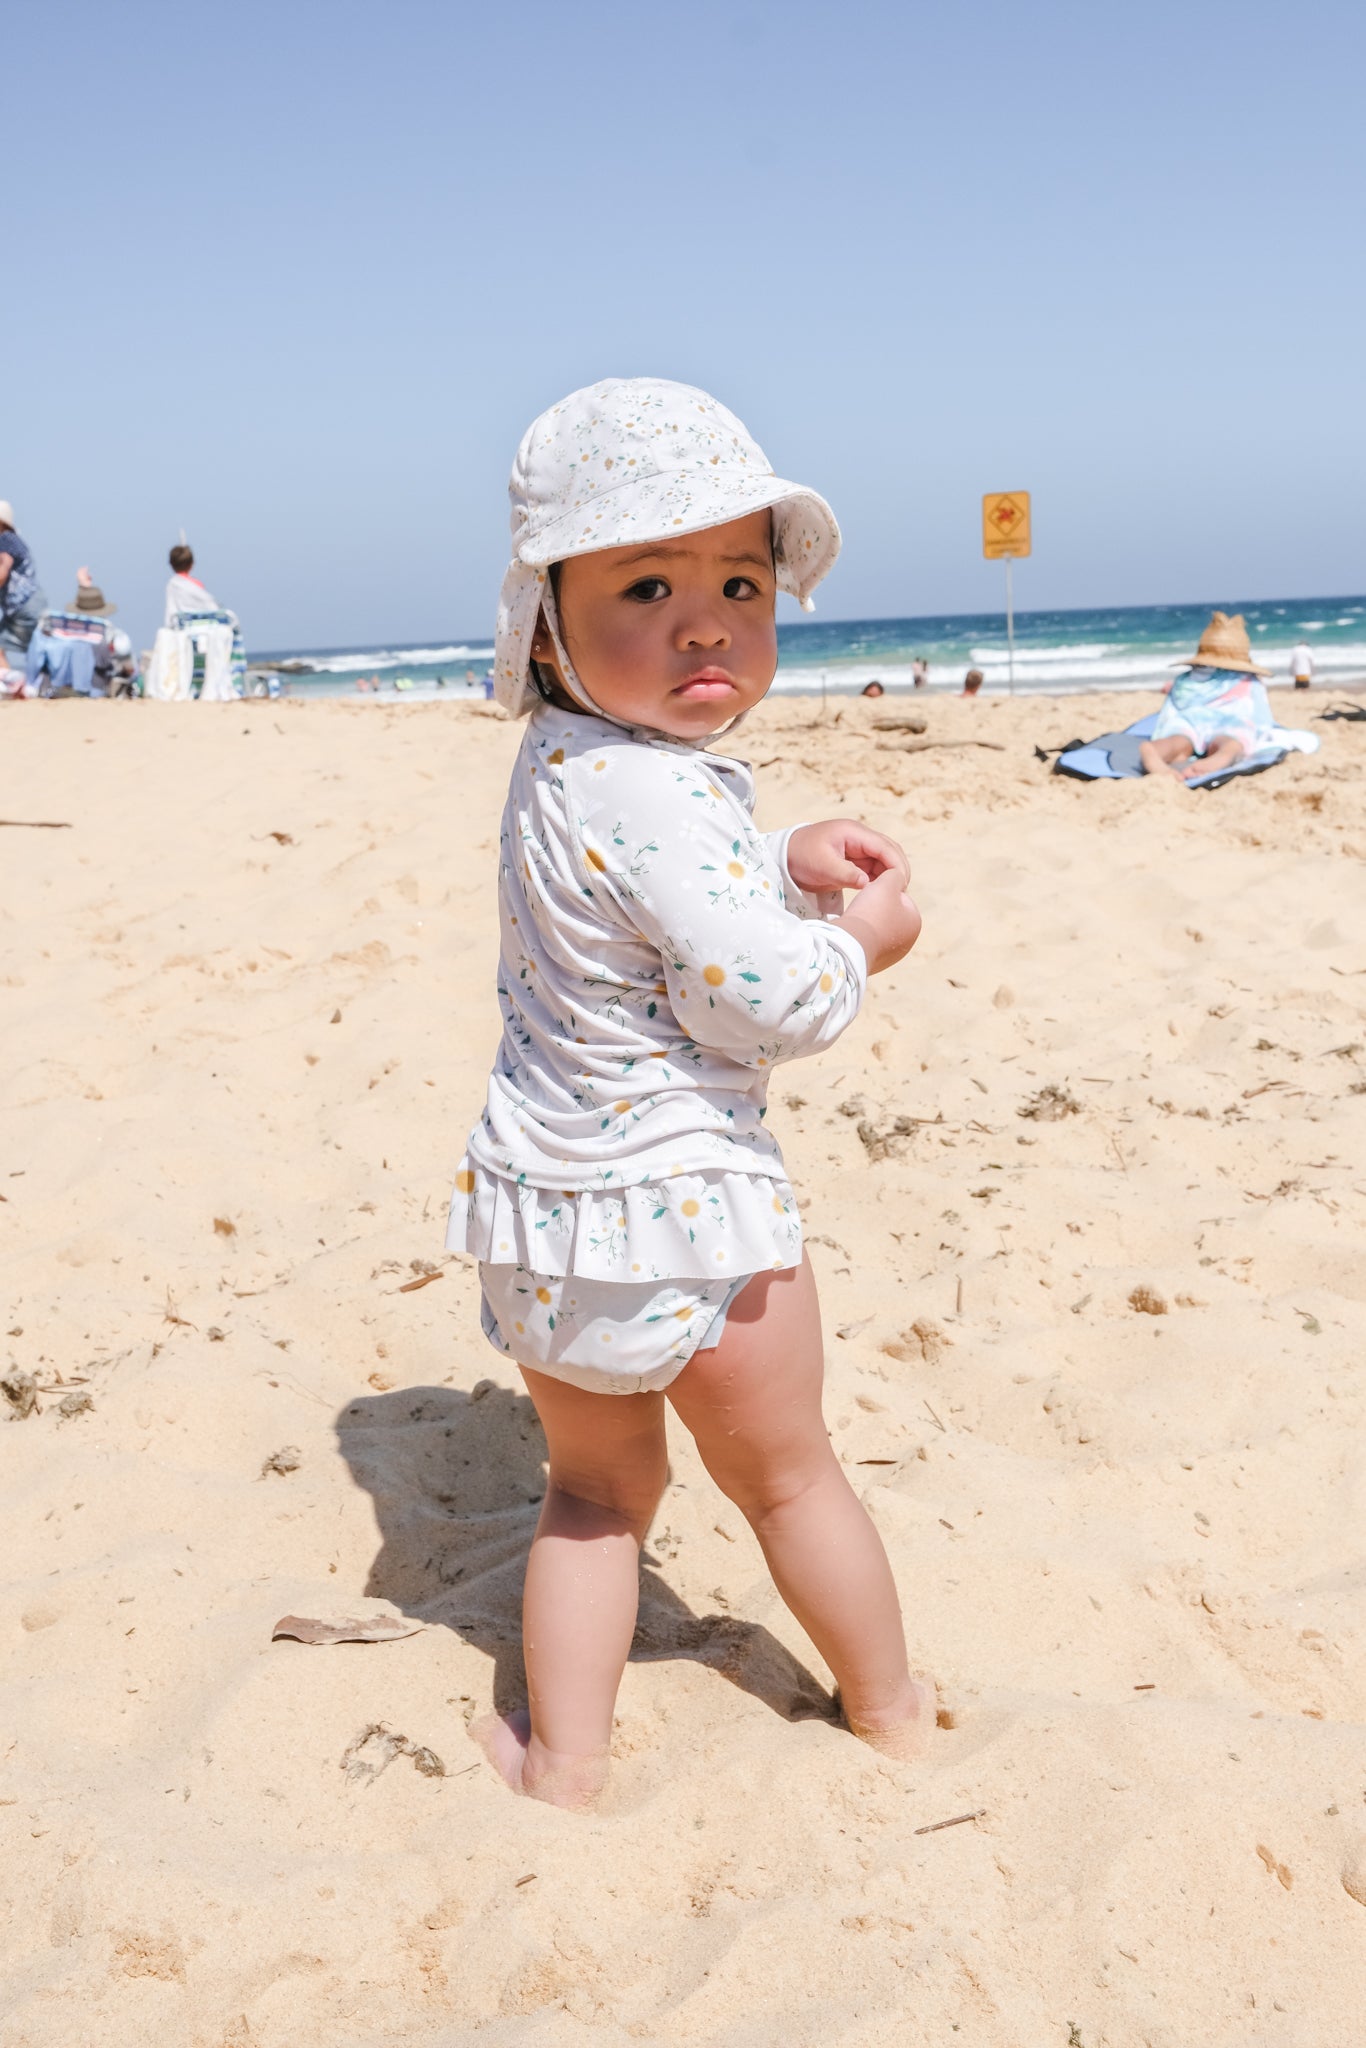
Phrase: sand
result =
(1084, 1189)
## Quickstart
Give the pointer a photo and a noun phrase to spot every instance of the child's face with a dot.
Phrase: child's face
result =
(678, 634)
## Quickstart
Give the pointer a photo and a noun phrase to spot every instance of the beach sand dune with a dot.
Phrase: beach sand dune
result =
(1084, 1189)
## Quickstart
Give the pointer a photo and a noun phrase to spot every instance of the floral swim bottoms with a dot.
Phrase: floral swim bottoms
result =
(606, 1336)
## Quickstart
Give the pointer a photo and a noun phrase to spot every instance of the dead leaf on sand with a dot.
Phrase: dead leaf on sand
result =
(1049, 1105)
(283, 1462)
(375, 1748)
(363, 1628)
(20, 1389)
(223, 1227)
(1147, 1301)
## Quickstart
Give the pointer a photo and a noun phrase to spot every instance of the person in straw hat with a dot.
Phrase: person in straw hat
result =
(636, 1232)
(1217, 712)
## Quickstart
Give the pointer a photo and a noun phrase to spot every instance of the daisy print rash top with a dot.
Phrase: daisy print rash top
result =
(657, 961)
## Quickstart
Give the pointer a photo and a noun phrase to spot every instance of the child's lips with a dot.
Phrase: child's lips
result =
(708, 683)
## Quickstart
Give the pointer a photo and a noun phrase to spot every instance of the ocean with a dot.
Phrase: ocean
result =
(1057, 653)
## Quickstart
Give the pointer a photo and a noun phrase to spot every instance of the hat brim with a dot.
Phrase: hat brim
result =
(664, 507)
(1233, 668)
(92, 611)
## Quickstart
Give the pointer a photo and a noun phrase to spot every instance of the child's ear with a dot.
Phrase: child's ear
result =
(544, 659)
(542, 646)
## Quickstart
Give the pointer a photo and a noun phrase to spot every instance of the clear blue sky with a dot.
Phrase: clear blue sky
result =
(337, 256)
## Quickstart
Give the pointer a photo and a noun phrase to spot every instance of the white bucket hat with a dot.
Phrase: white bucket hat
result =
(631, 460)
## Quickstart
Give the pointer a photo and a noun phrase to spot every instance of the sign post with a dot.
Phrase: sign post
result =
(1005, 534)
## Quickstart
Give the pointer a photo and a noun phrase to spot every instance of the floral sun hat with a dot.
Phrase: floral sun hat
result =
(632, 460)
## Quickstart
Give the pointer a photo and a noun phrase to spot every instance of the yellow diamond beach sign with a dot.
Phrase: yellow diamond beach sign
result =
(1005, 524)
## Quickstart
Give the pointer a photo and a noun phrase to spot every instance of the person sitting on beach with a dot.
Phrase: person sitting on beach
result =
(972, 682)
(873, 689)
(115, 668)
(1216, 713)
(185, 592)
(636, 1230)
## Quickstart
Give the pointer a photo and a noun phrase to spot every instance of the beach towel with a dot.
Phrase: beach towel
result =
(171, 668)
(56, 662)
(216, 640)
(224, 660)
(1114, 756)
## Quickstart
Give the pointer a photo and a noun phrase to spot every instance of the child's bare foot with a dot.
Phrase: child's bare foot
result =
(527, 1766)
(1224, 754)
(902, 1731)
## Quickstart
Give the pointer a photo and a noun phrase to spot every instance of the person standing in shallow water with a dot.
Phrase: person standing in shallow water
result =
(637, 1236)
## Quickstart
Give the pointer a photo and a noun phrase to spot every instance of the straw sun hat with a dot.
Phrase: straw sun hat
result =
(1223, 644)
(626, 462)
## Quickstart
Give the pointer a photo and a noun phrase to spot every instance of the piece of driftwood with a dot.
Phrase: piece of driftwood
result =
(898, 723)
(957, 1821)
(921, 746)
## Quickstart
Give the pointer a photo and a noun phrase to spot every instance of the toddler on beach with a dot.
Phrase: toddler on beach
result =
(636, 1234)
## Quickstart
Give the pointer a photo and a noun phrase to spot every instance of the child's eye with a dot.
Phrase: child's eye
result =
(649, 590)
(741, 587)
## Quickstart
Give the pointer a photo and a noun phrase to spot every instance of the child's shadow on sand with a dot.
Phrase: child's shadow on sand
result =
(457, 1485)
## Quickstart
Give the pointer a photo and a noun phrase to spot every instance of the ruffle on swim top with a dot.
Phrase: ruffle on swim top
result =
(693, 1226)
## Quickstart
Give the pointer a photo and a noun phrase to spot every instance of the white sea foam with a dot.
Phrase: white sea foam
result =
(1081, 652)
(1059, 668)
(390, 657)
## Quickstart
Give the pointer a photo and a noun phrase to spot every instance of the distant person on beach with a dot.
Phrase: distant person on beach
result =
(115, 668)
(920, 672)
(972, 682)
(873, 689)
(185, 592)
(638, 1237)
(1216, 712)
(1302, 665)
(22, 602)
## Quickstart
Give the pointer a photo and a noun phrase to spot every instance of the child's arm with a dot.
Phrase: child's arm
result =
(741, 972)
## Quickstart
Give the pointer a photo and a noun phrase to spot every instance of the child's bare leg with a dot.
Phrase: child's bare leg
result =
(608, 1465)
(1223, 754)
(1161, 757)
(754, 1406)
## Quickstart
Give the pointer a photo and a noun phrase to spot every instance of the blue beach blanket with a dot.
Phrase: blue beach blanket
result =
(1114, 756)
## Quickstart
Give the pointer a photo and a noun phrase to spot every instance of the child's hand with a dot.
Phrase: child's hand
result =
(840, 854)
(884, 921)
